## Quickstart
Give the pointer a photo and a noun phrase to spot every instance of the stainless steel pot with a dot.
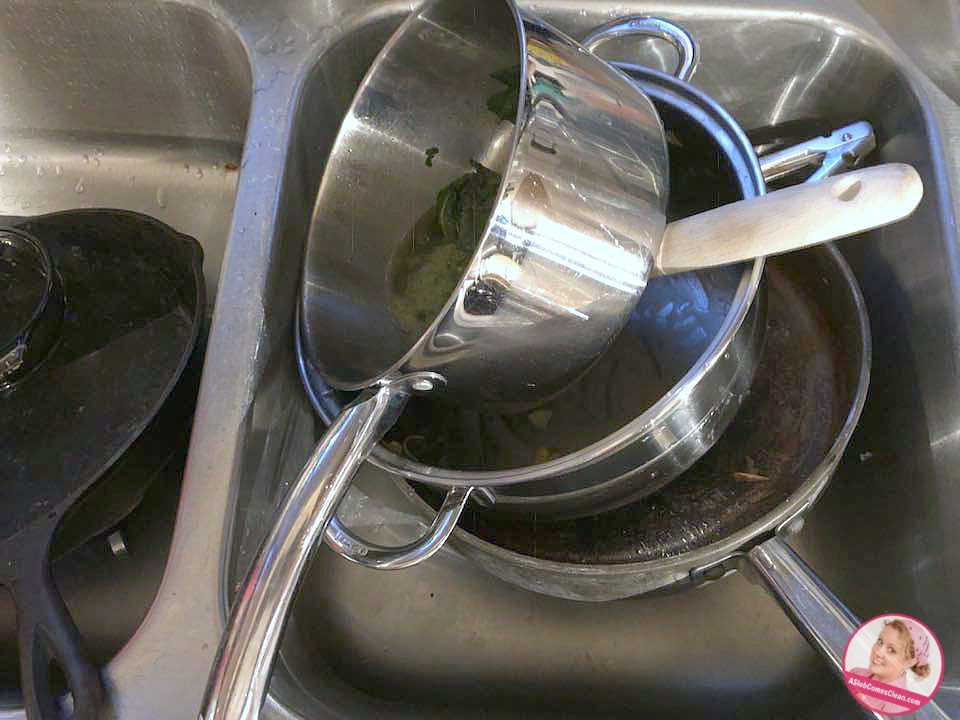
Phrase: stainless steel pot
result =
(657, 441)
(555, 245)
(759, 480)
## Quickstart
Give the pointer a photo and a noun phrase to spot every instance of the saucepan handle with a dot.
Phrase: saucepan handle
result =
(47, 636)
(687, 50)
(240, 674)
(359, 551)
(817, 613)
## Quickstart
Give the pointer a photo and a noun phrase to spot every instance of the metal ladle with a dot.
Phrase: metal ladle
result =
(578, 227)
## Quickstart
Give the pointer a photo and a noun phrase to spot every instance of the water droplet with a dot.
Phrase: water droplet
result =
(39, 170)
(58, 170)
(199, 174)
(162, 197)
(3, 170)
(132, 180)
(96, 161)
(186, 167)
(21, 160)
(98, 151)
(86, 158)
(7, 148)
(79, 188)
(25, 204)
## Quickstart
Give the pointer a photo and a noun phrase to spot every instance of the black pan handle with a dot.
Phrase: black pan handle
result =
(47, 635)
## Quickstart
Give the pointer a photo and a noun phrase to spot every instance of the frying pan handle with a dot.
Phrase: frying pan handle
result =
(359, 551)
(47, 635)
(818, 614)
(688, 53)
(238, 680)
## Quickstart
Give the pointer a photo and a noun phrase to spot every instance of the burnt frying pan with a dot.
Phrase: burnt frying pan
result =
(117, 314)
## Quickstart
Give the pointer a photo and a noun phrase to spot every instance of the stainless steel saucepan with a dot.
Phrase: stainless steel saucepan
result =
(695, 380)
(556, 251)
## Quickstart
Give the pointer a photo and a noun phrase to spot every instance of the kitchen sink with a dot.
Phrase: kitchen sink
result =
(421, 642)
(141, 106)
(170, 89)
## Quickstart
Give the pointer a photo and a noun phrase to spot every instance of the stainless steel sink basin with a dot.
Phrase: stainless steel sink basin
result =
(444, 639)
(419, 642)
(136, 106)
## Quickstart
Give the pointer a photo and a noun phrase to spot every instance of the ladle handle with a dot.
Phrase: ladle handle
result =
(241, 672)
(817, 613)
(791, 219)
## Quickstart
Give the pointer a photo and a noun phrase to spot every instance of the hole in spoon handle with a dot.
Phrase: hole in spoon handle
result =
(846, 189)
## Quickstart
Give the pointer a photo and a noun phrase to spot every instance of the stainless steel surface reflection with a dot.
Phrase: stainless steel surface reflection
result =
(686, 359)
(143, 107)
(582, 168)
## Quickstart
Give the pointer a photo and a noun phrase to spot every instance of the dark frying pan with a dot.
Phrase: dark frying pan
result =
(129, 312)
(121, 489)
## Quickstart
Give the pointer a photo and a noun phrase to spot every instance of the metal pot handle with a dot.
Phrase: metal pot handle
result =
(241, 672)
(816, 612)
(357, 550)
(687, 49)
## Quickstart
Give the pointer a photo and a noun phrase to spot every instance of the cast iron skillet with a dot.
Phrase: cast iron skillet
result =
(132, 306)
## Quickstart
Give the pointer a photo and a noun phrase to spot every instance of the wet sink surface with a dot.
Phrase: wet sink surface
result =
(141, 107)
(444, 639)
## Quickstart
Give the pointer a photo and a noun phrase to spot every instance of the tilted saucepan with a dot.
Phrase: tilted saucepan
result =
(576, 228)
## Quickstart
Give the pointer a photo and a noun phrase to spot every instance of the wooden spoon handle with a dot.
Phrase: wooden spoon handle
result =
(791, 219)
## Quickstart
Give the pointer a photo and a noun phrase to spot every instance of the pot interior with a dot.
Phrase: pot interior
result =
(672, 326)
